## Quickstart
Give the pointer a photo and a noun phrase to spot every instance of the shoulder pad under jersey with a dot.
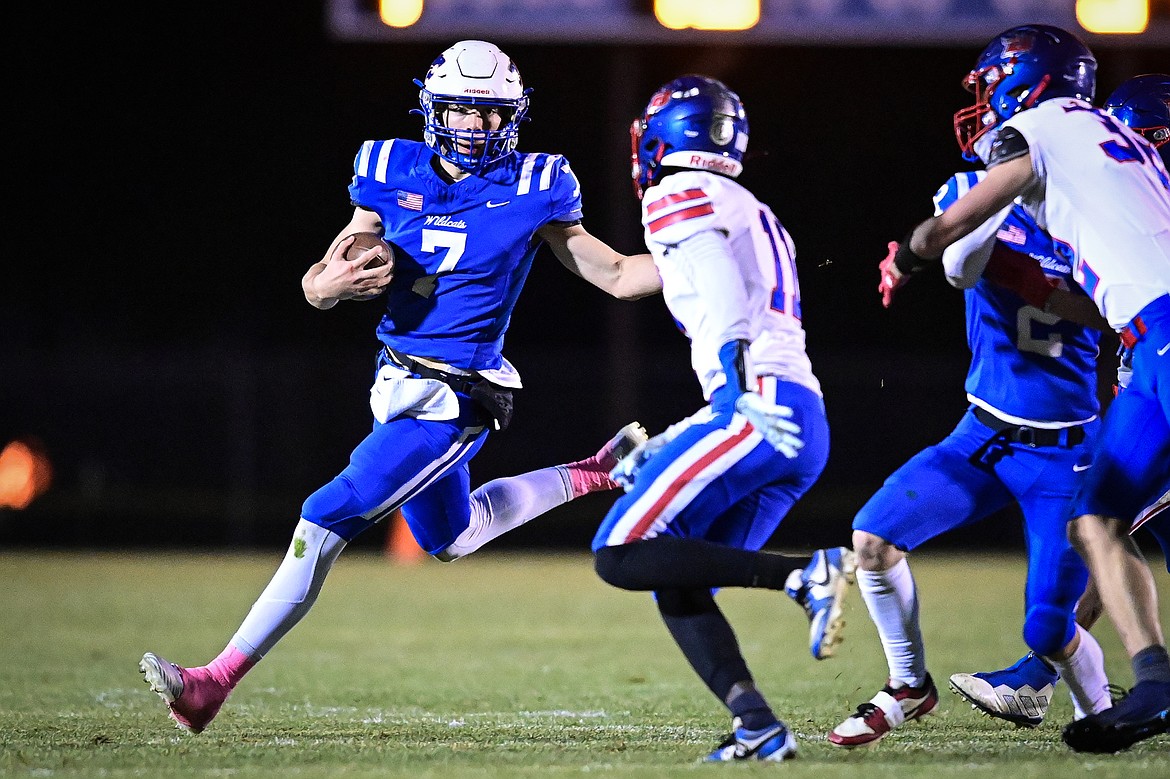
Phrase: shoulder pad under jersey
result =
(1009, 144)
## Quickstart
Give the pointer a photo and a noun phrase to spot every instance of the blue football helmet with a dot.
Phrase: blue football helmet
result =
(472, 73)
(1020, 68)
(691, 122)
(1143, 104)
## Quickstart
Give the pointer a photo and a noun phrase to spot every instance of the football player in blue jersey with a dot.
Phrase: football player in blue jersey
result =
(707, 494)
(465, 214)
(1101, 189)
(1032, 388)
(1021, 693)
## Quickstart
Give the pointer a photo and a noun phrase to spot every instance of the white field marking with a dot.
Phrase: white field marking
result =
(116, 698)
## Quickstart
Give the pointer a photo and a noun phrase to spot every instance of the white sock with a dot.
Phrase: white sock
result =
(1085, 674)
(892, 600)
(506, 504)
(292, 591)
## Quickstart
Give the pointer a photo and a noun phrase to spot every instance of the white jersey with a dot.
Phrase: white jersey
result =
(753, 294)
(1104, 195)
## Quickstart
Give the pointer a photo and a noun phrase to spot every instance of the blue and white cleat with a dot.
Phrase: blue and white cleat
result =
(819, 589)
(774, 744)
(1020, 694)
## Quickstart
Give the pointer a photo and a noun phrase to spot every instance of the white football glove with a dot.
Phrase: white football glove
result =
(627, 468)
(773, 422)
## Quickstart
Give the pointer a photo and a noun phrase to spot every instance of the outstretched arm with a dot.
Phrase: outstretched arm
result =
(627, 277)
(926, 242)
(1003, 184)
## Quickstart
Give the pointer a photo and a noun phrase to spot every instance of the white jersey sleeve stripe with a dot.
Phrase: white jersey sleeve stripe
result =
(383, 161)
(546, 174)
(526, 174)
(363, 161)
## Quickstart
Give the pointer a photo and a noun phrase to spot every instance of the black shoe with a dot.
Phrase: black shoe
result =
(1142, 714)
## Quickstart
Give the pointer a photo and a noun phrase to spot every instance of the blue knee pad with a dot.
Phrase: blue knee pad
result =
(336, 507)
(1047, 629)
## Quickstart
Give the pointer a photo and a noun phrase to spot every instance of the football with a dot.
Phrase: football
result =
(365, 241)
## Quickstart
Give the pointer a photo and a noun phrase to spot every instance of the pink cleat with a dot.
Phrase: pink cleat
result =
(592, 474)
(193, 695)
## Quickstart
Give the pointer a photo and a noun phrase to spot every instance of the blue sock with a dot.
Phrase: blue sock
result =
(1152, 664)
(752, 710)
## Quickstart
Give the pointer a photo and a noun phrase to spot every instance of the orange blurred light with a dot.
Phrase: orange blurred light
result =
(1113, 16)
(400, 13)
(707, 15)
(25, 473)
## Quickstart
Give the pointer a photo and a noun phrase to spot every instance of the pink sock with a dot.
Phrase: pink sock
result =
(229, 668)
(589, 476)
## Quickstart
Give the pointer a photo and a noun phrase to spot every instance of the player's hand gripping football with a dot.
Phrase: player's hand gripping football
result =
(892, 278)
(773, 422)
(356, 273)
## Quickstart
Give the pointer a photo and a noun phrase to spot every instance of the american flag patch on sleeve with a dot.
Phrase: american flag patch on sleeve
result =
(678, 207)
(410, 200)
(1012, 234)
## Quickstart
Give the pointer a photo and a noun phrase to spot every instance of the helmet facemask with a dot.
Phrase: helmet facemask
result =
(645, 167)
(973, 122)
(470, 149)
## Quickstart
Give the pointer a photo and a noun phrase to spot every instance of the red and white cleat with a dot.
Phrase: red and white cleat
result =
(884, 712)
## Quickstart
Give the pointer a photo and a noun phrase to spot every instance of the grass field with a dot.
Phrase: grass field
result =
(494, 666)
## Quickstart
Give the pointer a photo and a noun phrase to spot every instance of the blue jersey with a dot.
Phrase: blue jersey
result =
(462, 250)
(1027, 365)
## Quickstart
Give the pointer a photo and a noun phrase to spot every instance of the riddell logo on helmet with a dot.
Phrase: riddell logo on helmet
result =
(1019, 43)
(714, 164)
(477, 91)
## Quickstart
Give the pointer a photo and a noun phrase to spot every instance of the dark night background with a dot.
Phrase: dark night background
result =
(171, 179)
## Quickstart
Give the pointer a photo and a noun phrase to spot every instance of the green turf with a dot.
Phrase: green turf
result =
(494, 666)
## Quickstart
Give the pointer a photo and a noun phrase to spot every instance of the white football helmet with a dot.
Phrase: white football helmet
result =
(474, 73)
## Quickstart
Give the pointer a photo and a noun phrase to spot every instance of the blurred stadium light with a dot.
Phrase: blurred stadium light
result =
(400, 13)
(816, 22)
(25, 473)
(705, 15)
(1113, 16)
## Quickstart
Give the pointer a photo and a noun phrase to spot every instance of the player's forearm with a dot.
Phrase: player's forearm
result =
(309, 287)
(705, 259)
(637, 277)
(627, 277)
(1003, 184)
